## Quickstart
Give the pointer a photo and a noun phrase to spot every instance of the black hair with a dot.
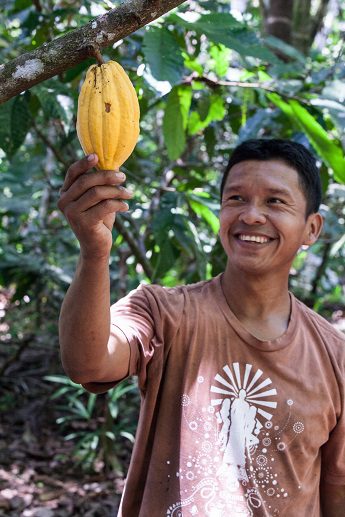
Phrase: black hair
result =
(293, 154)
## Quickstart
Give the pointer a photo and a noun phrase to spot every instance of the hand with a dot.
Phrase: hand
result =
(90, 200)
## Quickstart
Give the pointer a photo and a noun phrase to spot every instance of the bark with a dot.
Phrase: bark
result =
(302, 25)
(306, 26)
(65, 52)
(277, 16)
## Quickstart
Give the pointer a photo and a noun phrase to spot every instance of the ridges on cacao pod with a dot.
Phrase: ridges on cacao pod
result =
(108, 115)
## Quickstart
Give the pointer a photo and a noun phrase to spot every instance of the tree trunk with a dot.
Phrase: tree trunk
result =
(277, 18)
(65, 52)
(305, 25)
(293, 21)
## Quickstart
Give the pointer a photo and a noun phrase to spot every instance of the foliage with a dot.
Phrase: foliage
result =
(206, 80)
(97, 434)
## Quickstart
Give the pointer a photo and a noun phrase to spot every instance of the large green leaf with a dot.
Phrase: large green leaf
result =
(15, 122)
(20, 121)
(51, 107)
(175, 120)
(329, 150)
(203, 207)
(5, 124)
(225, 29)
(163, 54)
(215, 112)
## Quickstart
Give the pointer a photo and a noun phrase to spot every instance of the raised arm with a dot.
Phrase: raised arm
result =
(90, 200)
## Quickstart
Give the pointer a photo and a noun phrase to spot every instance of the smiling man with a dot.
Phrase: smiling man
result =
(242, 385)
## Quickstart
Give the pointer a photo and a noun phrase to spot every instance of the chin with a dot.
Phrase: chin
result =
(248, 268)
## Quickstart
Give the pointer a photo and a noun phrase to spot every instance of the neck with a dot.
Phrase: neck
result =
(259, 302)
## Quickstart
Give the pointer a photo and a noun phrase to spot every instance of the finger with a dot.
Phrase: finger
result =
(78, 168)
(89, 181)
(74, 210)
(108, 206)
(100, 194)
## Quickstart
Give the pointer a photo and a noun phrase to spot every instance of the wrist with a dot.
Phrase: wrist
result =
(93, 260)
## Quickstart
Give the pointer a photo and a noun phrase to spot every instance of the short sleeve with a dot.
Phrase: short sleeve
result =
(148, 317)
(333, 451)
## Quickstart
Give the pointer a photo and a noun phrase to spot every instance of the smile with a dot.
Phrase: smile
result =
(253, 238)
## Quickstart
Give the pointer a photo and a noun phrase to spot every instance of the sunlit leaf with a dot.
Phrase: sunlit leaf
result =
(329, 150)
(199, 205)
(175, 120)
(216, 112)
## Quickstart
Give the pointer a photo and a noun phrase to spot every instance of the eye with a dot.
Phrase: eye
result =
(275, 201)
(236, 197)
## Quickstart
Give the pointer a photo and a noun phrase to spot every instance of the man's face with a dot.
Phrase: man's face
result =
(263, 217)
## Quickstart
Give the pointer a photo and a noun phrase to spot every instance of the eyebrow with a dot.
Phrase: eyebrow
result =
(272, 190)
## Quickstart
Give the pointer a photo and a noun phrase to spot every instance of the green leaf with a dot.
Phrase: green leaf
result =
(166, 259)
(210, 139)
(216, 112)
(175, 120)
(15, 122)
(61, 379)
(216, 21)
(51, 107)
(20, 121)
(329, 150)
(80, 409)
(200, 207)
(163, 54)
(223, 28)
(284, 48)
(220, 59)
(192, 63)
(5, 124)
(91, 403)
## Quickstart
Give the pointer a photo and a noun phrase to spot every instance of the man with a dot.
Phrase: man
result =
(242, 385)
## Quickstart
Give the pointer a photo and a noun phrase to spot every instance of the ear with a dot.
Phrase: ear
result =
(313, 228)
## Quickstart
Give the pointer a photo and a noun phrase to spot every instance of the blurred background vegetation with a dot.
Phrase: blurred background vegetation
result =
(208, 76)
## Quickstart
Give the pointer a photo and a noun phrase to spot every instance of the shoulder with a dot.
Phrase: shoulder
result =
(324, 327)
(332, 339)
(202, 289)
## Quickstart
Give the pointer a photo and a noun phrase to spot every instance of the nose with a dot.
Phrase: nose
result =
(252, 214)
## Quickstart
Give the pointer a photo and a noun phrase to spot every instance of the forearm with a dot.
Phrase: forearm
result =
(84, 324)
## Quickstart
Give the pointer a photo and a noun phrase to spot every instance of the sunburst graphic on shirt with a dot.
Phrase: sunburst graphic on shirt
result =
(244, 403)
(246, 386)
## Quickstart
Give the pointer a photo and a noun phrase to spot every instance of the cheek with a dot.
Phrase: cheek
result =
(224, 226)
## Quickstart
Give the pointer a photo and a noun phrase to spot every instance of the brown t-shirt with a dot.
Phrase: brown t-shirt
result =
(230, 425)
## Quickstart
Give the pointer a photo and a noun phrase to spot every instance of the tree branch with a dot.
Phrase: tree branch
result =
(50, 146)
(135, 248)
(65, 52)
(240, 84)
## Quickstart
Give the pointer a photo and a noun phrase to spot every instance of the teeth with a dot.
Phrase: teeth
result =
(253, 238)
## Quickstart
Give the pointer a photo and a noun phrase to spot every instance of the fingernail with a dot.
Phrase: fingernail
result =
(120, 175)
(124, 189)
(91, 157)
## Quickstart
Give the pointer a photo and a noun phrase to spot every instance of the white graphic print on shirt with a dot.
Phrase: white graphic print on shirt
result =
(231, 471)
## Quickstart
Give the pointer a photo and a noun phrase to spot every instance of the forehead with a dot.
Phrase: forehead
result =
(264, 173)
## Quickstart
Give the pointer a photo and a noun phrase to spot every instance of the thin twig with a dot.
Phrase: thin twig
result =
(51, 146)
(241, 84)
(137, 252)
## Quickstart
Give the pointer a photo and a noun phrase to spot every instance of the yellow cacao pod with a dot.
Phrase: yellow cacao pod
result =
(108, 115)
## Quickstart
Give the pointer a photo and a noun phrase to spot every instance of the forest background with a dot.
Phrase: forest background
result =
(208, 74)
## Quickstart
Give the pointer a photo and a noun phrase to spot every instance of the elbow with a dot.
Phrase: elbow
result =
(79, 373)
